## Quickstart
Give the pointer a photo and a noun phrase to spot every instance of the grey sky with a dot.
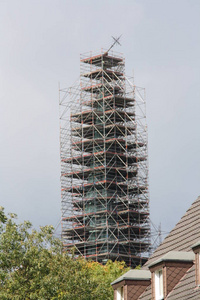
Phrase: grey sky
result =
(40, 45)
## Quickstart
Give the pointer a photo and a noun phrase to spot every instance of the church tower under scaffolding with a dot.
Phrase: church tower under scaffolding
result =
(104, 163)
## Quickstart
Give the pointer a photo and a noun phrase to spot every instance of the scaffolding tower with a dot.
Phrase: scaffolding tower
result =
(104, 163)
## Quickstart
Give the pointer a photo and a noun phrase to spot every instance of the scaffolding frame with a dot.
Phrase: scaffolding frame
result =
(104, 163)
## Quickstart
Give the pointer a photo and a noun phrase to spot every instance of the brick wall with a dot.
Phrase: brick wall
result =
(174, 274)
(134, 291)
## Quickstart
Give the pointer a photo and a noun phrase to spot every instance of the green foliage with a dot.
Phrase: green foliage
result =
(33, 265)
(3, 217)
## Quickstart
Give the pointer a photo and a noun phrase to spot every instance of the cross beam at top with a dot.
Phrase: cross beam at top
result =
(116, 41)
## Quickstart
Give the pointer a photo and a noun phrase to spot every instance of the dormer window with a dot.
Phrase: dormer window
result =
(159, 293)
(162, 270)
(131, 285)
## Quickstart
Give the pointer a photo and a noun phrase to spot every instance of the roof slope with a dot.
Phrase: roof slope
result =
(181, 238)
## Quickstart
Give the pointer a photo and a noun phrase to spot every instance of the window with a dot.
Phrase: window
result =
(120, 293)
(159, 295)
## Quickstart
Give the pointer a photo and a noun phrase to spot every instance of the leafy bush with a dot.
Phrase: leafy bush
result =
(33, 265)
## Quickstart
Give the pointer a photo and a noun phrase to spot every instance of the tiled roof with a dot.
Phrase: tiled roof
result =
(134, 275)
(185, 234)
(174, 256)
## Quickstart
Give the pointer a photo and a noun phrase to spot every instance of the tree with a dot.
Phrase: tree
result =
(34, 265)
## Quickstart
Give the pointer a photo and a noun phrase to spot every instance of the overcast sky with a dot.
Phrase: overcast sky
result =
(40, 45)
